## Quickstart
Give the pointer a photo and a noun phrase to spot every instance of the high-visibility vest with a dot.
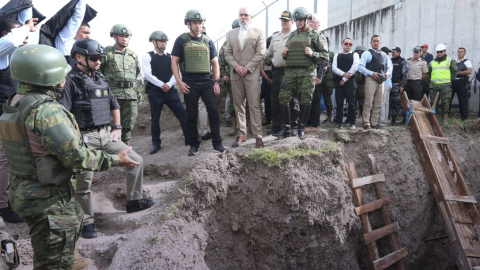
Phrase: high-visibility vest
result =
(441, 71)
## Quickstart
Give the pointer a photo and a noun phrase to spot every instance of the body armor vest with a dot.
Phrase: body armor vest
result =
(377, 64)
(197, 55)
(296, 56)
(462, 67)
(21, 162)
(397, 75)
(94, 109)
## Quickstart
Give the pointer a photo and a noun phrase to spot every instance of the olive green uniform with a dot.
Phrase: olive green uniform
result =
(327, 90)
(121, 70)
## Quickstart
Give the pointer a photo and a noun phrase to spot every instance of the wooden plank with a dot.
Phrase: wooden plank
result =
(371, 179)
(465, 199)
(434, 139)
(390, 259)
(369, 207)
(472, 253)
(422, 109)
(379, 233)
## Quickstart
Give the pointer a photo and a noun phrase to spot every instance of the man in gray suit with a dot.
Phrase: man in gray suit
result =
(244, 52)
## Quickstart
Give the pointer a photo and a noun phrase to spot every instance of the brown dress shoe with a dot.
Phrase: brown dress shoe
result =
(239, 141)
(259, 143)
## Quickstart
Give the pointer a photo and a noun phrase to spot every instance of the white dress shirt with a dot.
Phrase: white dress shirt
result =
(147, 71)
(242, 34)
(66, 37)
(352, 69)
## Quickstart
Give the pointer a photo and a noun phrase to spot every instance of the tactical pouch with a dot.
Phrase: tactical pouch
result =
(197, 59)
(9, 256)
(51, 171)
(296, 56)
(381, 78)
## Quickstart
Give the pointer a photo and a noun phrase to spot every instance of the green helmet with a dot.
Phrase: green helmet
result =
(120, 29)
(39, 65)
(360, 48)
(235, 24)
(331, 54)
(158, 35)
(301, 13)
(194, 15)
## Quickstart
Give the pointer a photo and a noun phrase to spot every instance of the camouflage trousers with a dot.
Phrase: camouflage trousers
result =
(292, 85)
(54, 219)
(327, 99)
(445, 91)
(394, 99)
(128, 116)
(360, 96)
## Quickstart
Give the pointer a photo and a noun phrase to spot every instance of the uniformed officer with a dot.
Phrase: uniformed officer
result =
(157, 70)
(442, 71)
(89, 98)
(304, 49)
(360, 80)
(327, 89)
(417, 72)
(43, 145)
(399, 79)
(196, 55)
(459, 85)
(121, 69)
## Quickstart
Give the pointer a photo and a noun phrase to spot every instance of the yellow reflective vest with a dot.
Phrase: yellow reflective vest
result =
(441, 71)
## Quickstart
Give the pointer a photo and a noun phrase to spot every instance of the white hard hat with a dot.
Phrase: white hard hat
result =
(441, 47)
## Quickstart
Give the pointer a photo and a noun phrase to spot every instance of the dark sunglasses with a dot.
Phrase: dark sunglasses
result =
(348, 44)
(416, 51)
(439, 51)
(95, 59)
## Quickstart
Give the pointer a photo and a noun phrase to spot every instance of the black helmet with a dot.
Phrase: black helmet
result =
(87, 47)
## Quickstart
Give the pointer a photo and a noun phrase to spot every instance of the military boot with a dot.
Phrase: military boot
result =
(394, 118)
(80, 262)
(302, 122)
(285, 130)
(233, 131)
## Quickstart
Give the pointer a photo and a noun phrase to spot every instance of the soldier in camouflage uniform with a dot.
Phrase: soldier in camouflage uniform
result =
(43, 145)
(327, 90)
(360, 80)
(305, 49)
(121, 69)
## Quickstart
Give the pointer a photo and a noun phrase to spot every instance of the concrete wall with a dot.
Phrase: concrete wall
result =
(410, 23)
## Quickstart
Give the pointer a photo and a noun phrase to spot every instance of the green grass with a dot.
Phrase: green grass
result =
(272, 158)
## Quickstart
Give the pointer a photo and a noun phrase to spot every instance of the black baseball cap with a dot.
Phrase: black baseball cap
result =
(397, 49)
(386, 50)
(286, 15)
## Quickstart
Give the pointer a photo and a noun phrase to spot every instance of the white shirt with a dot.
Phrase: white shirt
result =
(242, 34)
(10, 42)
(147, 71)
(467, 63)
(351, 71)
(66, 37)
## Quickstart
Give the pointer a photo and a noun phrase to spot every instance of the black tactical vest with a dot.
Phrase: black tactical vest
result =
(161, 66)
(377, 64)
(462, 67)
(397, 75)
(344, 63)
(94, 109)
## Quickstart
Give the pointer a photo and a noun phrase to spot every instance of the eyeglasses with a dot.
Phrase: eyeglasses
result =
(348, 44)
(439, 51)
(94, 59)
(244, 15)
(416, 52)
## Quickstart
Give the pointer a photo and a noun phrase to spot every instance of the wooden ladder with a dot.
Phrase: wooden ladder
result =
(362, 210)
(453, 198)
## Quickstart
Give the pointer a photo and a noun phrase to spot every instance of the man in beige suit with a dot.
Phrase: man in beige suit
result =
(244, 52)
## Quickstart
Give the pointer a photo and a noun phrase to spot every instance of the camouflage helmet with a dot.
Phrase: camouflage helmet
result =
(235, 24)
(194, 15)
(301, 13)
(120, 29)
(87, 47)
(39, 65)
(158, 35)
(360, 48)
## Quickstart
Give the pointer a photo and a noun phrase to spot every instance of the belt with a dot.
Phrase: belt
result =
(413, 80)
(123, 84)
(94, 128)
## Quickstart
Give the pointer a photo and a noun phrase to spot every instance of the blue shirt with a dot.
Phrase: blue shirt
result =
(428, 58)
(367, 58)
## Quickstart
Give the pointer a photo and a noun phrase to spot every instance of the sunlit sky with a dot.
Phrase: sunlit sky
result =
(144, 17)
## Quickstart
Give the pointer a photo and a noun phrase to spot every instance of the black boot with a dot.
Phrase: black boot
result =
(394, 117)
(302, 122)
(285, 130)
(404, 120)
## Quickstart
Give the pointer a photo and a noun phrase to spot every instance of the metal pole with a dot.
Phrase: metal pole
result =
(288, 5)
(315, 6)
(266, 19)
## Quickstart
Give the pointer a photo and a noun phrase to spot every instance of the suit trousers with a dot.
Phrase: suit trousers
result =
(373, 101)
(346, 91)
(384, 109)
(100, 140)
(248, 90)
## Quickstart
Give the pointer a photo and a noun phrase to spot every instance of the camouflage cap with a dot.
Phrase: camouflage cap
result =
(158, 35)
(39, 65)
(120, 29)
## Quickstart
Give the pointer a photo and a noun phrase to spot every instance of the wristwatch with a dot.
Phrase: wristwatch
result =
(217, 81)
(117, 127)
(314, 55)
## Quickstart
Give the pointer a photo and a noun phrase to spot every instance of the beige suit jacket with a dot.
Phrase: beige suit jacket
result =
(249, 56)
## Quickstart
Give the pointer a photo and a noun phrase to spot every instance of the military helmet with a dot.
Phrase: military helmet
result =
(331, 54)
(235, 24)
(120, 29)
(194, 15)
(301, 13)
(87, 46)
(158, 35)
(360, 48)
(39, 65)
